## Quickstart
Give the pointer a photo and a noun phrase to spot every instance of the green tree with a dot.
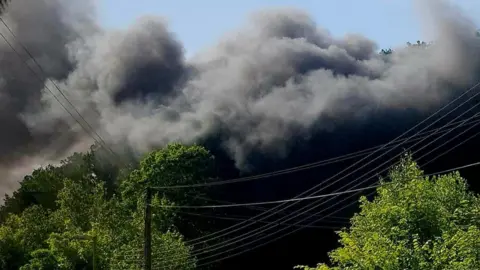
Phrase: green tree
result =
(42, 259)
(43, 185)
(64, 217)
(12, 254)
(176, 164)
(94, 227)
(39, 188)
(24, 233)
(414, 222)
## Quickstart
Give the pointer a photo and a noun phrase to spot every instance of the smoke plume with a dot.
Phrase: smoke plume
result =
(277, 80)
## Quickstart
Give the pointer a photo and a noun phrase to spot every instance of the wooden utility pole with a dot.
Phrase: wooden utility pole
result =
(148, 230)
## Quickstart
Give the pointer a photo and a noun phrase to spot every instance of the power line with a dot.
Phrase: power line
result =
(318, 220)
(456, 169)
(261, 230)
(326, 216)
(444, 171)
(265, 222)
(451, 139)
(257, 208)
(239, 226)
(394, 157)
(228, 204)
(301, 167)
(432, 123)
(337, 180)
(452, 148)
(336, 211)
(273, 240)
(266, 202)
(101, 142)
(302, 220)
(258, 239)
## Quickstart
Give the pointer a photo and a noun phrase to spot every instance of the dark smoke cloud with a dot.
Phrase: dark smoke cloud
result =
(277, 80)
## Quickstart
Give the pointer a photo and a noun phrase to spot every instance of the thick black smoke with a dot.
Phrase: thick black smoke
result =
(278, 80)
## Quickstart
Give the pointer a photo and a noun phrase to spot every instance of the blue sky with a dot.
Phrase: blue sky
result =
(199, 23)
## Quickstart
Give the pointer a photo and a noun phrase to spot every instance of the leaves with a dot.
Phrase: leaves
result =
(82, 214)
(415, 222)
(173, 165)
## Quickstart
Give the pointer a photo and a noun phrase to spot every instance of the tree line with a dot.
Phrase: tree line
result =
(88, 212)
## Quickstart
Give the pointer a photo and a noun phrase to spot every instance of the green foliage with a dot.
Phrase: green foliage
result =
(415, 222)
(175, 164)
(24, 233)
(43, 185)
(167, 245)
(64, 217)
(318, 267)
(40, 187)
(42, 259)
(12, 254)
(78, 203)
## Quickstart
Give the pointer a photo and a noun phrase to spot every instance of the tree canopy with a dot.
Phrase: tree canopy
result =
(87, 211)
(414, 222)
(61, 214)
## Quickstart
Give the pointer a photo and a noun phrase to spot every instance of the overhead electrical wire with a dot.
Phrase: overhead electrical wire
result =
(318, 220)
(326, 216)
(424, 128)
(451, 139)
(307, 197)
(428, 125)
(310, 197)
(462, 114)
(448, 113)
(265, 222)
(89, 130)
(264, 229)
(462, 122)
(446, 142)
(315, 221)
(271, 240)
(239, 226)
(258, 239)
(447, 171)
(452, 148)
(266, 202)
(256, 208)
(298, 168)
